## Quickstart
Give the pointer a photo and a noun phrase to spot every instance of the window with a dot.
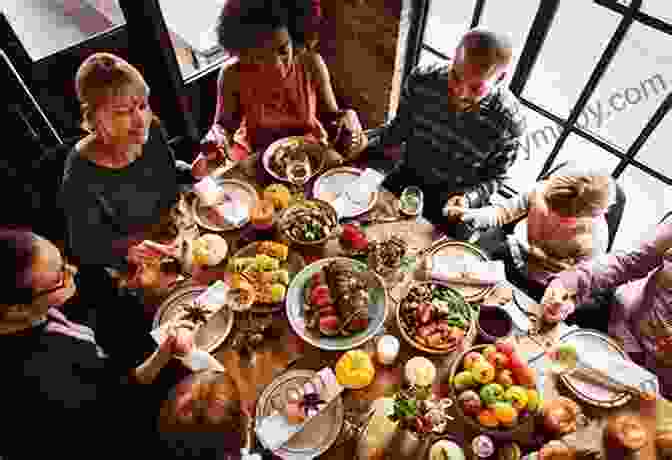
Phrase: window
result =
(575, 42)
(647, 201)
(446, 23)
(45, 27)
(656, 152)
(191, 26)
(497, 16)
(634, 86)
(537, 143)
(661, 9)
(580, 151)
(427, 58)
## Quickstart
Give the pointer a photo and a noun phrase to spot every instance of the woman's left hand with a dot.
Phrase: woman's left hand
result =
(180, 340)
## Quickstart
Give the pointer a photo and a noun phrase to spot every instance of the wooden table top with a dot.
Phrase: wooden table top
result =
(273, 358)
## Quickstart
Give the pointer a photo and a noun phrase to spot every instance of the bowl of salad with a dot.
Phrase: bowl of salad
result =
(436, 319)
(309, 223)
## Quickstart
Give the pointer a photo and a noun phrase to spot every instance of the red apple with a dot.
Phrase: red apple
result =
(505, 347)
(329, 325)
(515, 362)
(499, 360)
(472, 358)
(358, 324)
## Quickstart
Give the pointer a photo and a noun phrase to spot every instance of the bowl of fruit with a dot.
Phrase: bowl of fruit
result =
(495, 390)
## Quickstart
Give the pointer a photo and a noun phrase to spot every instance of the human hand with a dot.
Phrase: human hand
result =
(558, 303)
(356, 140)
(179, 339)
(454, 208)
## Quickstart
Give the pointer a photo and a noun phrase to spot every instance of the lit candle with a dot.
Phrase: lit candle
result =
(388, 349)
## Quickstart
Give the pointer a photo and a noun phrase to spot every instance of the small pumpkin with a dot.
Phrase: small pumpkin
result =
(355, 370)
(626, 431)
(664, 444)
(560, 416)
(557, 450)
(262, 213)
(279, 195)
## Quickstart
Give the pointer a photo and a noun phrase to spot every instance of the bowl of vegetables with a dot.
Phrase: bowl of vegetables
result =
(436, 319)
(308, 223)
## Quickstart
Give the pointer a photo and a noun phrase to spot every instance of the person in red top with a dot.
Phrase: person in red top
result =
(273, 87)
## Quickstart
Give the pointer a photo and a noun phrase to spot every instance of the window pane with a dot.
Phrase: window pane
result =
(632, 88)
(661, 9)
(574, 44)
(648, 200)
(446, 23)
(655, 153)
(585, 153)
(45, 27)
(427, 59)
(537, 143)
(192, 31)
(497, 16)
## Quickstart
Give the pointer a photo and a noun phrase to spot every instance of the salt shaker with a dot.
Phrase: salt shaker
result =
(388, 349)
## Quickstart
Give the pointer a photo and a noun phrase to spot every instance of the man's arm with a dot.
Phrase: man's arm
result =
(398, 130)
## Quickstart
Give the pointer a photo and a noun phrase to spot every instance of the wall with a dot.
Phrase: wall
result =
(359, 45)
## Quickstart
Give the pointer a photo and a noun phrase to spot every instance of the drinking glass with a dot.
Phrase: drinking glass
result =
(298, 172)
(411, 201)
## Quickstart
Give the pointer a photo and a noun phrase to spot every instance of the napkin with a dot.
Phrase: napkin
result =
(196, 360)
(274, 431)
(620, 370)
(214, 296)
(360, 190)
(467, 271)
(232, 212)
(207, 191)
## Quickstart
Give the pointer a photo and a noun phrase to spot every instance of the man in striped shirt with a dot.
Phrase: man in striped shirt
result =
(461, 127)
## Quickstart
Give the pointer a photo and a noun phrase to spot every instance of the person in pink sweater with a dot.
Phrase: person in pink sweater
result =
(641, 316)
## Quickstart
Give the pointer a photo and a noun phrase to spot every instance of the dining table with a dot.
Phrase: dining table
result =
(287, 351)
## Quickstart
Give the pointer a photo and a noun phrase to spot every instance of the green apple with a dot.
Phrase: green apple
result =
(491, 393)
(463, 381)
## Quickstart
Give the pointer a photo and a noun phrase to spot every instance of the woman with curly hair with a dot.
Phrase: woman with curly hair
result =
(274, 87)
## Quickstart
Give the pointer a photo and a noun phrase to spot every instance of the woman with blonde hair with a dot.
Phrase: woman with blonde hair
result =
(121, 178)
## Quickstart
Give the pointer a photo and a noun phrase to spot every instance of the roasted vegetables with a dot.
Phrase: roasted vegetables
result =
(279, 195)
(273, 249)
(435, 316)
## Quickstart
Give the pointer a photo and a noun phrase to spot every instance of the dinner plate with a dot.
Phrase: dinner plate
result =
(319, 434)
(210, 335)
(295, 301)
(588, 392)
(336, 181)
(465, 251)
(316, 165)
(236, 189)
(294, 264)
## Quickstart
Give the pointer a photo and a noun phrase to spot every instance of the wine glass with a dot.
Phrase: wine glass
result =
(411, 201)
(298, 172)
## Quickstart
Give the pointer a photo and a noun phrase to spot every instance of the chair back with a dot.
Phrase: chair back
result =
(665, 217)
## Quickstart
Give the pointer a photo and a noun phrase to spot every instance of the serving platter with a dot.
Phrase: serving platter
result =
(467, 252)
(294, 264)
(279, 147)
(210, 335)
(235, 189)
(334, 182)
(319, 434)
(588, 392)
(295, 313)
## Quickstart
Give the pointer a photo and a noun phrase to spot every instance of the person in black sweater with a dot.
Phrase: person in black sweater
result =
(63, 395)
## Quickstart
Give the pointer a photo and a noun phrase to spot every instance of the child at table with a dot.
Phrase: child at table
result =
(563, 223)
(640, 316)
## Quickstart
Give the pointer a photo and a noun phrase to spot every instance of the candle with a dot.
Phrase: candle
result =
(420, 371)
(388, 349)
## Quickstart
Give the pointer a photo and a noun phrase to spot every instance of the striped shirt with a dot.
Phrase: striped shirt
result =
(458, 152)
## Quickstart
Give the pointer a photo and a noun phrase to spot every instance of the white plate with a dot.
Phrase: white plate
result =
(336, 181)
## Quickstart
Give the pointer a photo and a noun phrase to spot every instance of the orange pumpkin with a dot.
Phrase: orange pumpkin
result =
(626, 431)
(262, 213)
(560, 416)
